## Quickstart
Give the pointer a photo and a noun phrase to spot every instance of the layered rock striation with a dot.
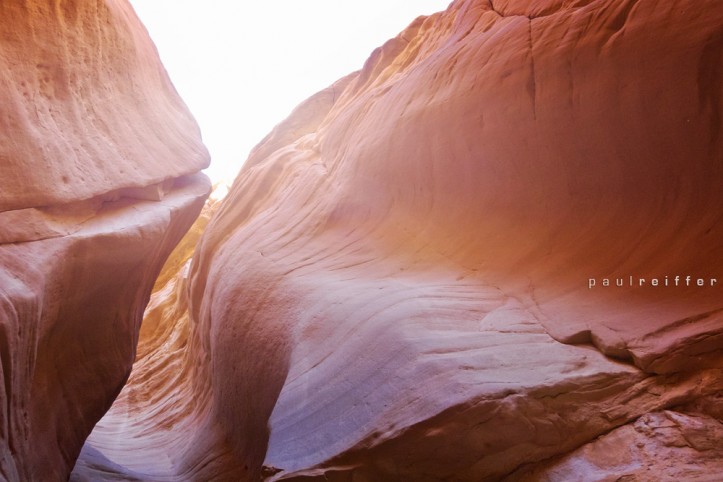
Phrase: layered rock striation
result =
(407, 279)
(99, 179)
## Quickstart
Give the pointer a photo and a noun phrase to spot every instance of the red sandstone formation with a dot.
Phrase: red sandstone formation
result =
(398, 285)
(99, 162)
(664, 445)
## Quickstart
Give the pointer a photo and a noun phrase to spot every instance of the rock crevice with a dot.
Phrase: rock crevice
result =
(99, 179)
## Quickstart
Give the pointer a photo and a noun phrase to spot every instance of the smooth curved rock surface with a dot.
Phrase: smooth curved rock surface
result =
(87, 106)
(397, 286)
(99, 180)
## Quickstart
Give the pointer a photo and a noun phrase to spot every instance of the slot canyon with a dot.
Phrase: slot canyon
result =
(412, 278)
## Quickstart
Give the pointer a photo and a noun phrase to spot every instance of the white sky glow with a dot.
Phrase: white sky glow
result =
(241, 67)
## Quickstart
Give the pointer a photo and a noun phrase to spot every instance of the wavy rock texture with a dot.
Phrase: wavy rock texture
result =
(99, 162)
(397, 286)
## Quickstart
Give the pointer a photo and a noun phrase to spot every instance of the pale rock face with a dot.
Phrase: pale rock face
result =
(397, 286)
(99, 162)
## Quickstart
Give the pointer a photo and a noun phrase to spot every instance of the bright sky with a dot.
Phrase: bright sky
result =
(242, 66)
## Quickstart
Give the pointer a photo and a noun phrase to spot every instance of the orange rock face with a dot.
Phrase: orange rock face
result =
(99, 162)
(87, 106)
(408, 278)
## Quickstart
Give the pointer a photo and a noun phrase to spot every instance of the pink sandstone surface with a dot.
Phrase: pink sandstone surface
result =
(88, 108)
(99, 179)
(397, 286)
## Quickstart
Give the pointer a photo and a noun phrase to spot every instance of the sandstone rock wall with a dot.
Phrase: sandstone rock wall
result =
(87, 107)
(397, 286)
(99, 162)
